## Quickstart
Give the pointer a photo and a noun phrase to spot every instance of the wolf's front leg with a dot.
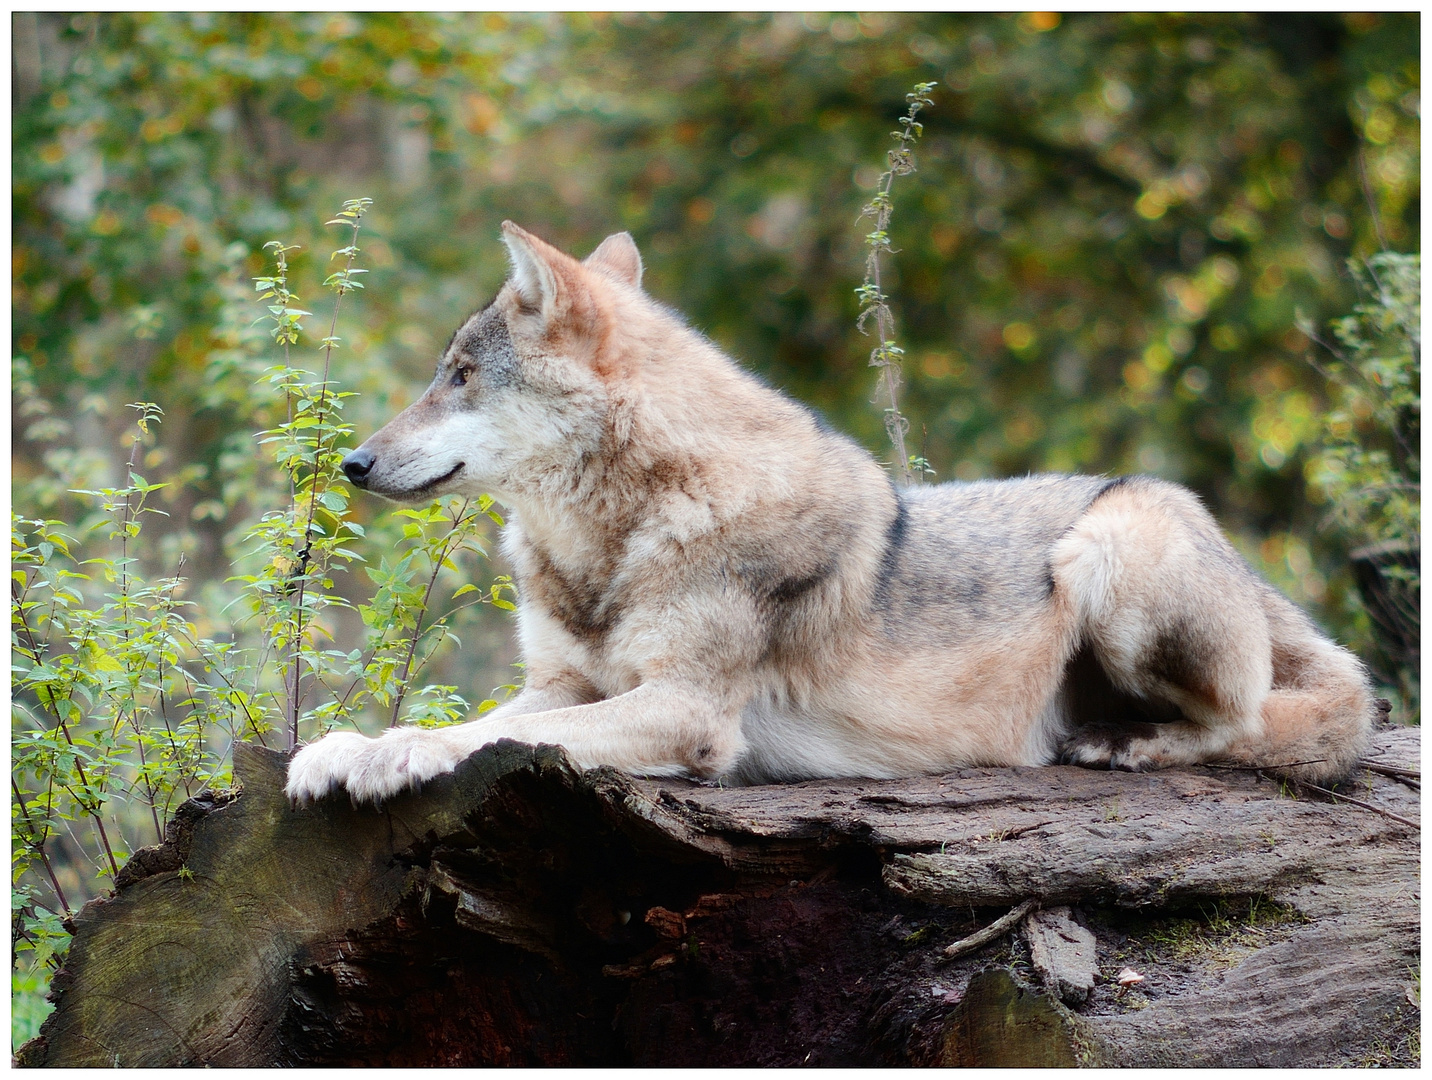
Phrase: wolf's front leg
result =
(654, 730)
(402, 758)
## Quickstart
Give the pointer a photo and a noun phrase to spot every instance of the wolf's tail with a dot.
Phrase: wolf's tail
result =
(1320, 713)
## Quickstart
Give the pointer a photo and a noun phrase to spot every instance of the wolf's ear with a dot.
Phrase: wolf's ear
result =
(618, 258)
(533, 275)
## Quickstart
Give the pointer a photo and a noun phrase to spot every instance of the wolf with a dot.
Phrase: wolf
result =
(714, 584)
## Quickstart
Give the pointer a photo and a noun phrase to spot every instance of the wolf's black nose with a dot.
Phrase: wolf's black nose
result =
(358, 465)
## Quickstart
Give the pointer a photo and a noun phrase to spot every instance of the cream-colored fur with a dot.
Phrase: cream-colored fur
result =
(714, 585)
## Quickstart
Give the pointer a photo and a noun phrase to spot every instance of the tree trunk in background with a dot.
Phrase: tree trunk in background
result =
(520, 912)
(1387, 577)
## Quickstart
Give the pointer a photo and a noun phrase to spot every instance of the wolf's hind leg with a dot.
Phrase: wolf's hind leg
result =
(1176, 622)
(1319, 715)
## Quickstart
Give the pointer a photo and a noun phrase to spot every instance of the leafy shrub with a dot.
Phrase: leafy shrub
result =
(128, 698)
(1367, 468)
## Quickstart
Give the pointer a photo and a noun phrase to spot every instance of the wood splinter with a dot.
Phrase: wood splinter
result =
(993, 930)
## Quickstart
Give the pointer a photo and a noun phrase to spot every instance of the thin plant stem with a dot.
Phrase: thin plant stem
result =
(1371, 201)
(38, 846)
(895, 423)
(295, 700)
(443, 553)
(886, 354)
(219, 671)
(54, 710)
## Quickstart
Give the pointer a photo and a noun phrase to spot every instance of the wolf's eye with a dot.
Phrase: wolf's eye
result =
(459, 376)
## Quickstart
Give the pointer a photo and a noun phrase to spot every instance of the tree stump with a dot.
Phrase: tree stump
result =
(520, 912)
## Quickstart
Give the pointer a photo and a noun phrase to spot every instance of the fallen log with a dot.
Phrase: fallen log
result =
(521, 912)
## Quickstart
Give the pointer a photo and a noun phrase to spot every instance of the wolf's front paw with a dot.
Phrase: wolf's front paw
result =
(371, 769)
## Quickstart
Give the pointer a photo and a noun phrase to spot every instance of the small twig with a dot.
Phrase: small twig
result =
(992, 931)
(219, 671)
(1262, 768)
(443, 553)
(1371, 201)
(54, 711)
(353, 209)
(1392, 770)
(1402, 776)
(1372, 389)
(1359, 802)
(39, 848)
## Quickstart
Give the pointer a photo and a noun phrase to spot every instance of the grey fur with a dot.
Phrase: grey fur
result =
(485, 342)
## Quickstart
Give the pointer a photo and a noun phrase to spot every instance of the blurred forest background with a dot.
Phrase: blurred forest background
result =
(1115, 222)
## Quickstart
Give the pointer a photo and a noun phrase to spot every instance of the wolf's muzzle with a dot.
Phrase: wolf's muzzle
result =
(358, 465)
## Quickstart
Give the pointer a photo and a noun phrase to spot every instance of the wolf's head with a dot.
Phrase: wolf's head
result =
(525, 390)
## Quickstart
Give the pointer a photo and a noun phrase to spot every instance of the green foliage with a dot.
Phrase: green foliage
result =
(286, 318)
(28, 1007)
(1368, 466)
(125, 699)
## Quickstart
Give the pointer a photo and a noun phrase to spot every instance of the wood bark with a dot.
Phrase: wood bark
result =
(520, 912)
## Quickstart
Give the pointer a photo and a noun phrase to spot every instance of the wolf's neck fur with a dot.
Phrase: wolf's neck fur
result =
(583, 513)
(691, 445)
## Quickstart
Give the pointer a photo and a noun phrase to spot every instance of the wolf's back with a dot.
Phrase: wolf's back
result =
(976, 552)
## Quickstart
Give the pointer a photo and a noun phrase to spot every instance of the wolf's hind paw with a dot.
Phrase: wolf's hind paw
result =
(1101, 751)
